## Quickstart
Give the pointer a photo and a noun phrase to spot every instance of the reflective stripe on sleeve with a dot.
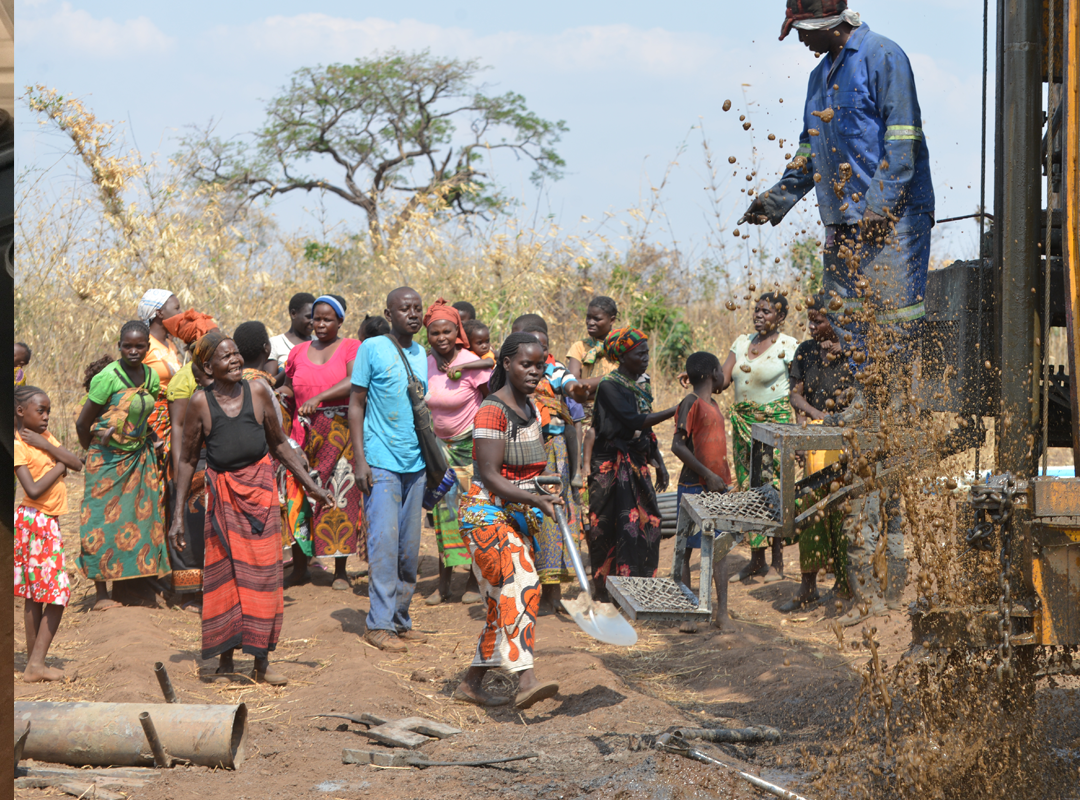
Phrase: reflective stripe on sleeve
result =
(854, 305)
(804, 150)
(903, 132)
(905, 314)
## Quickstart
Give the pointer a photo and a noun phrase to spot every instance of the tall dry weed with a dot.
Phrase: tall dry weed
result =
(127, 223)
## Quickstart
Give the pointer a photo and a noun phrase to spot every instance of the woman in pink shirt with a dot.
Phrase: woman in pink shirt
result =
(317, 375)
(454, 395)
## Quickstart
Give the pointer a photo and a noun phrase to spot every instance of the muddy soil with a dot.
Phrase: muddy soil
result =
(591, 740)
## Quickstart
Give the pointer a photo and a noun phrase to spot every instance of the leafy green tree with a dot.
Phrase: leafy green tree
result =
(806, 260)
(385, 133)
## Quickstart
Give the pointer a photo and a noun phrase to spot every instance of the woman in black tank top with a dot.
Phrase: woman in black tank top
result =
(234, 442)
(236, 422)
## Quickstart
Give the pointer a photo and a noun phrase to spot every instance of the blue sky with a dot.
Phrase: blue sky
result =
(632, 80)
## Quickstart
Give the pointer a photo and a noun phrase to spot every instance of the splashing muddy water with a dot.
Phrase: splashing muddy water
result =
(940, 723)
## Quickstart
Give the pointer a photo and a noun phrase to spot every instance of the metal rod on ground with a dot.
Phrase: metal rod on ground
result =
(161, 759)
(673, 744)
(166, 684)
(423, 764)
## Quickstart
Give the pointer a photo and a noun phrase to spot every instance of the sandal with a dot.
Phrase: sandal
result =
(542, 691)
(772, 575)
(799, 603)
(747, 572)
(269, 677)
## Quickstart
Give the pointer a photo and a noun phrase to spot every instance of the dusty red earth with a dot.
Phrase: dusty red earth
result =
(591, 740)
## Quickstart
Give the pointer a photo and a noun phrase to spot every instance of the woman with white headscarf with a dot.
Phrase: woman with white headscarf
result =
(163, 357)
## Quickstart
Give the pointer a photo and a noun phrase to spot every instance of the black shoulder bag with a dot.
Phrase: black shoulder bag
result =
(434, 462)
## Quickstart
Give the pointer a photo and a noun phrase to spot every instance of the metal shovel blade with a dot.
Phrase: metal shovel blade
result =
(602, 621)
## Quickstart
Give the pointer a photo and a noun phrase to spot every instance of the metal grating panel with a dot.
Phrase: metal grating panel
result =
(761, 503)
(655, 599)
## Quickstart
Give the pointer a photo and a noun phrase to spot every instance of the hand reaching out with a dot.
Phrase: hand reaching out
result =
(755, 214)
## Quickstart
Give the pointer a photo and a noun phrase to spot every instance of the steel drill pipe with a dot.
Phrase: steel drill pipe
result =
(110, 734)
(161, 759)
(1020, 121)
(166, 685)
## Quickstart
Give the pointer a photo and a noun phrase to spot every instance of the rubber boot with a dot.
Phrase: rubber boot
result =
(894, 589)
(895, 561)
(862, 527)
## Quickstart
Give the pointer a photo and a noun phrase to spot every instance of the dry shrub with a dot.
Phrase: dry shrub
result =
(127, 224)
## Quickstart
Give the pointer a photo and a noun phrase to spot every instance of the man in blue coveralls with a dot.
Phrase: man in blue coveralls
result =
(862, 148)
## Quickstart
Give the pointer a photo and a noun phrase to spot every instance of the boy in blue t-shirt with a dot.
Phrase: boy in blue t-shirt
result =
(390, 468)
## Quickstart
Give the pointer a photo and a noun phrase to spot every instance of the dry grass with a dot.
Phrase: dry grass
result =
(127, 224)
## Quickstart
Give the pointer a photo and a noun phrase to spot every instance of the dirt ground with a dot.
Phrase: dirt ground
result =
(766, 668)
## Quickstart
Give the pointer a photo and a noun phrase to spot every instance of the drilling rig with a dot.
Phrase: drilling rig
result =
(982, 360)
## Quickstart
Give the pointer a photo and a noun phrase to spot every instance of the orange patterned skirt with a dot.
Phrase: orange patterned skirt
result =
(243, 603)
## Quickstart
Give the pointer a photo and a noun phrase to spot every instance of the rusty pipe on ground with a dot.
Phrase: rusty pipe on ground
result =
(166, 685)
(161, 759)
(758, 733)
(110, 734)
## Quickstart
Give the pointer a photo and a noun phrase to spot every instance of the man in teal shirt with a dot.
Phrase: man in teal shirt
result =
(390, 468)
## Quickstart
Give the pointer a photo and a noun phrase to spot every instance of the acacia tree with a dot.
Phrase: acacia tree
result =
(390, 132)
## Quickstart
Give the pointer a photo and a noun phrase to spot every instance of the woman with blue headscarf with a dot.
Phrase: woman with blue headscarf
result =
(318, 377)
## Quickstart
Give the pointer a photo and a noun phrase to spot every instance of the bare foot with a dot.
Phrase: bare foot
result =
(104, 604)
(36, 674)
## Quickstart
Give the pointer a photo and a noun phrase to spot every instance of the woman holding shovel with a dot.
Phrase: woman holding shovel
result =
(499, 521)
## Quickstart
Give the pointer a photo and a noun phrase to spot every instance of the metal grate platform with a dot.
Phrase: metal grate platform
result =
(655, 599)
(719, 517)
(755, 510)
(759, 503)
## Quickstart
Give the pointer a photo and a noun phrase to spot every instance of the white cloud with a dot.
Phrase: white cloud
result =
(320, 37)
(78, 32)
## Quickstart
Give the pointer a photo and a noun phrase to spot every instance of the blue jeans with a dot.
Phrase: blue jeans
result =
(896, 270)
(394, 513)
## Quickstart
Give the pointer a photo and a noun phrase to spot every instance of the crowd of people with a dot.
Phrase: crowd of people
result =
(217, 467)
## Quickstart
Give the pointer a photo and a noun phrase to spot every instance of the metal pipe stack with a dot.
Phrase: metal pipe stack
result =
(669, 513)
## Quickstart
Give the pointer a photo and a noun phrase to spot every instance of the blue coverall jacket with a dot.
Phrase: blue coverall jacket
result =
(862, 147)
(876, 128)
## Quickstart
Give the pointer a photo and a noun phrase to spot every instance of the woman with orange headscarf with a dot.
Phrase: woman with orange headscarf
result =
(187, 564)
(624, 518)
(454, 396)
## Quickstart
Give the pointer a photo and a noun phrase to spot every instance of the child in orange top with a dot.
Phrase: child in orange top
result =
(41, 463)
(701, 444)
